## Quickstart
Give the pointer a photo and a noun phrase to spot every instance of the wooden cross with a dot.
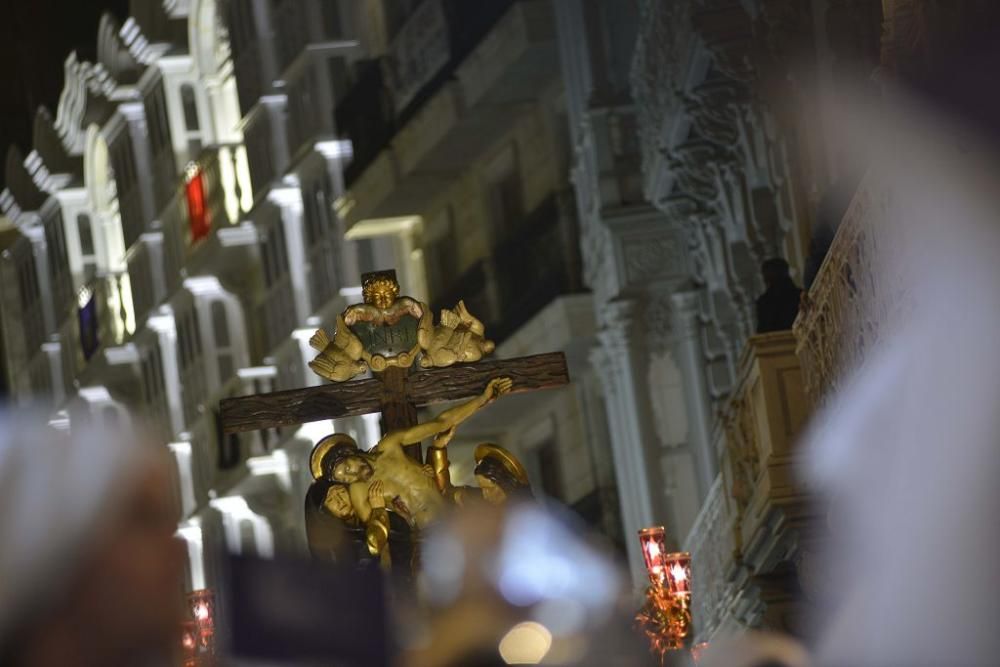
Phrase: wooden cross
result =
(395, 392)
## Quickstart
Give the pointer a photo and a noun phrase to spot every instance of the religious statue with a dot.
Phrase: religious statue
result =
(363, 502)
(333, 528)
(386, 479)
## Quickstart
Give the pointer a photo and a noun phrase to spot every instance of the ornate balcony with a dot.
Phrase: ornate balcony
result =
(837, 324)
(761, 421)
(749, 528)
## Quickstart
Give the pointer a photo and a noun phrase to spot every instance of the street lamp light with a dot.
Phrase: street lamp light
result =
(665, 618)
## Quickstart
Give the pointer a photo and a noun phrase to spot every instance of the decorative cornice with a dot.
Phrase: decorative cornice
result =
(114, 55)
(21, 194)
(49, 163)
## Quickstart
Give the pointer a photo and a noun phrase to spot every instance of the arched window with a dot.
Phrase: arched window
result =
(192, 125)
(219, 324)
(190, 105)
(87, 255)
(223, 348)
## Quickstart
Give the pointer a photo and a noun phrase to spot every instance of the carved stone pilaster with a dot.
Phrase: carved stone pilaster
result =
(620, 362)
(686, 310)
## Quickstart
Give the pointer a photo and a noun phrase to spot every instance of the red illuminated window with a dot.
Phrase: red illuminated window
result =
(197, 212)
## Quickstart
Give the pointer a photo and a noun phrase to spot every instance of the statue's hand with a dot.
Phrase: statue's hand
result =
(442, 439)
(428, 469)
(376, 495)
(498, 387)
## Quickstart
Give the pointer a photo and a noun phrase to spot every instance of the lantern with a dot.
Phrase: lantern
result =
(654, 551)
(677, 567)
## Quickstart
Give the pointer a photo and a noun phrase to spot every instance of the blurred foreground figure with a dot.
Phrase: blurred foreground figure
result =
(517, 585)
(907, 450)
(90, 572)
(755, 649)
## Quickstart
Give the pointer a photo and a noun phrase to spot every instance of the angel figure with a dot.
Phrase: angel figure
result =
(338, 359)
(458, 337)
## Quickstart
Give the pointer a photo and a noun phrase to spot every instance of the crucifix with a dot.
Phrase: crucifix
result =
(387, 334)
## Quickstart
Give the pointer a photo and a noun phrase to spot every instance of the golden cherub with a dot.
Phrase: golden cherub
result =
(338, 359)
(458, 337)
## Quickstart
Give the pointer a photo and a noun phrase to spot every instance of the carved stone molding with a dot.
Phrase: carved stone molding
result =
(648, 258)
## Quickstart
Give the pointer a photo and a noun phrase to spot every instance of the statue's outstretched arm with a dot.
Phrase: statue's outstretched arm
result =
(454, 416)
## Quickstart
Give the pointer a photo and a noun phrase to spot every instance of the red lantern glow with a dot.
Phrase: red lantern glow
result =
(202, 605)
(189, 639)
(697, 651)
(198, 218)
(678, 568)
(654, 551)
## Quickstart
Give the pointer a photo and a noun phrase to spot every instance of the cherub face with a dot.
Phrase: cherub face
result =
(338, 502)
(352, 469)
(381, 293)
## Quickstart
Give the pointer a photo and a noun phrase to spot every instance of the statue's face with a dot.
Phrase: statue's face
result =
(492, 493)
(338, 502)
(382, 297)
(380, 292)
(352, 469)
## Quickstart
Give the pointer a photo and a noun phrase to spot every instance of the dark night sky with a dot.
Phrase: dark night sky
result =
(35, 38)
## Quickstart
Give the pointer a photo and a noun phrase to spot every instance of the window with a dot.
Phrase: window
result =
(219, 324)
(548, 470)
(88, 327)
(223, 349)
(504, 197)
(155, 107)
(441, 255)
(190, 105)
(366, 255)
(192, 125)
(86, 236)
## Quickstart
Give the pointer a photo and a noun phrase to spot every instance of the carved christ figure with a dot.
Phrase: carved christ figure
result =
(404, 485)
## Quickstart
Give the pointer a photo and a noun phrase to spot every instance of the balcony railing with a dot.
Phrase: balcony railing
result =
(714, 559)
(837, 324)
(522, 275)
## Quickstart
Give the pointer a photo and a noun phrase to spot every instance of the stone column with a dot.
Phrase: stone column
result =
(691, 359)
(620, 362)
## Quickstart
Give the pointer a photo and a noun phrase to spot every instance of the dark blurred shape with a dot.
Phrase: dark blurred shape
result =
(516, 584)
(956, 50)
(33, 48)
(331, 539)
(306, 612)
(754, 649)
(832, 208)
(90, 569)
(779, 304)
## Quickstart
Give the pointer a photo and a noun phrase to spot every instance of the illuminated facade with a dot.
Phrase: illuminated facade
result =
(157, 256)
(208, 193)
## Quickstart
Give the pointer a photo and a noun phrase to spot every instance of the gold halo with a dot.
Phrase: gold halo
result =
(322, 447)
(487, 450)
